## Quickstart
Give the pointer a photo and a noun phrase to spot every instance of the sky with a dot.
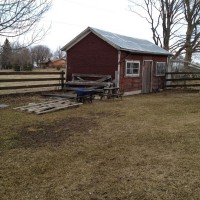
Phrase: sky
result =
(68, 18)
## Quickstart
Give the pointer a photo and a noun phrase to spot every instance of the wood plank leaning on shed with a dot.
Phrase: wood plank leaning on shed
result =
(85, 77)
(88, 83)
(90, 75)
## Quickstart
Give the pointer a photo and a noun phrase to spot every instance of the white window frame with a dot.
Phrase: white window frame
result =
(160, 74)
(132, 74)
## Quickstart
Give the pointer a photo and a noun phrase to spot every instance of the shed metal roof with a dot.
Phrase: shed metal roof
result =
(120, 42)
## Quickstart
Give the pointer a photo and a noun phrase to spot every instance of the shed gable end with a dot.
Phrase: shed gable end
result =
(92, 55)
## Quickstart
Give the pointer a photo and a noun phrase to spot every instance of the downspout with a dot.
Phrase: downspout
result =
(118, 68)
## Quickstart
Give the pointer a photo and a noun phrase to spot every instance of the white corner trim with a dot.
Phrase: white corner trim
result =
(118, 67)
(133, 92)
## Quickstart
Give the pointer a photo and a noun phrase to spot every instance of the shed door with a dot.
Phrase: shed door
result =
(147, 77)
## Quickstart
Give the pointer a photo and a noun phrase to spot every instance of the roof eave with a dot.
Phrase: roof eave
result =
(76, 39)
(146, 52)
(82, 35)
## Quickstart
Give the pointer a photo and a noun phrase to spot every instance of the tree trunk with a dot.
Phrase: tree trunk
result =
(188, 57)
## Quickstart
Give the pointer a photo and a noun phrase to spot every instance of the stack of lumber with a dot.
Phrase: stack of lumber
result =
(92, 81)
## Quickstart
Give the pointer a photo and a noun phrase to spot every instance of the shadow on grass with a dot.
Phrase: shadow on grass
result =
(55, 134)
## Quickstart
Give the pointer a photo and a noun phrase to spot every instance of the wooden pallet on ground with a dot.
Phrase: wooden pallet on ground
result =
(48, 106)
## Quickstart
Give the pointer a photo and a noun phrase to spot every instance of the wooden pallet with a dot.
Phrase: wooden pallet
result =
(48, 106)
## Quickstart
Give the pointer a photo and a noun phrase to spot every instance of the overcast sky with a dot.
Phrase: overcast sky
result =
(68, 18)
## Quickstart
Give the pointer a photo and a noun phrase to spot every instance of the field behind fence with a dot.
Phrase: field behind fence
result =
(35, 81)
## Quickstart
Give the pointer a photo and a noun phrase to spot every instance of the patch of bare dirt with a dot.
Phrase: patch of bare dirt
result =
(18, 99)
(104, 114)
(53, 134)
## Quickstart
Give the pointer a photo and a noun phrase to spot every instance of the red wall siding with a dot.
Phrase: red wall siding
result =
(92, 55)
(129, 84)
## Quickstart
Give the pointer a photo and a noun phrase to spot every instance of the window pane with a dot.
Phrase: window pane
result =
(128, 71)
(135, 71)
(161, 68)
(132, 68)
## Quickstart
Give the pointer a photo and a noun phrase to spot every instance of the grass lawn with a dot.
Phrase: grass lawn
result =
(143, 147)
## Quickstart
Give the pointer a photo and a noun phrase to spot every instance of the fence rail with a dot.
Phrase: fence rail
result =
(30, 73)
(167, 73)
(29, 79)
(182, 79)
(60, 80)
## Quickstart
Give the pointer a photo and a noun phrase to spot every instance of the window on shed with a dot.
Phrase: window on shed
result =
(160, 68)
(132, 68)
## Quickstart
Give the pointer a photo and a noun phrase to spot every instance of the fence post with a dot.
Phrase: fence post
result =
(62, 79)
(168, 76)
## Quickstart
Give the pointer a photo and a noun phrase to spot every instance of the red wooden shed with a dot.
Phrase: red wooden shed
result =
(136, 65)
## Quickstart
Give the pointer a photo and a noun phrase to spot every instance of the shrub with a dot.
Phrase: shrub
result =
(28, 68)
(58, 67)
(16, 68)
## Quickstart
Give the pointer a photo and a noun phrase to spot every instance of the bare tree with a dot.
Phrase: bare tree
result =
(160, 13)
(17, 18)
(58, 54)
(40, 53)
(175, 24)
(190, 43)
(21, 58)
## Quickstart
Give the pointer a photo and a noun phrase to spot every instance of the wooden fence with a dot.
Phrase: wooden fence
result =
(182, 79)
(10, 79)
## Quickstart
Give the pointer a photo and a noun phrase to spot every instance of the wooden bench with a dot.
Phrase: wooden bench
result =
(118, 95)
(111, 93)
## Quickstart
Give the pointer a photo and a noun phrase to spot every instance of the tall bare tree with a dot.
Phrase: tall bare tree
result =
(160, 13)
(21, 58)
(17, 18)
(40, 53)
(174, 24)
(192, 16)
(58, 54)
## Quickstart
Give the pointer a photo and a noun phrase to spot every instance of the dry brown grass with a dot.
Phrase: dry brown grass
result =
(143, 147)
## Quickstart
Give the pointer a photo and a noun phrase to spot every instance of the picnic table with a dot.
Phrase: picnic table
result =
(111, 93)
